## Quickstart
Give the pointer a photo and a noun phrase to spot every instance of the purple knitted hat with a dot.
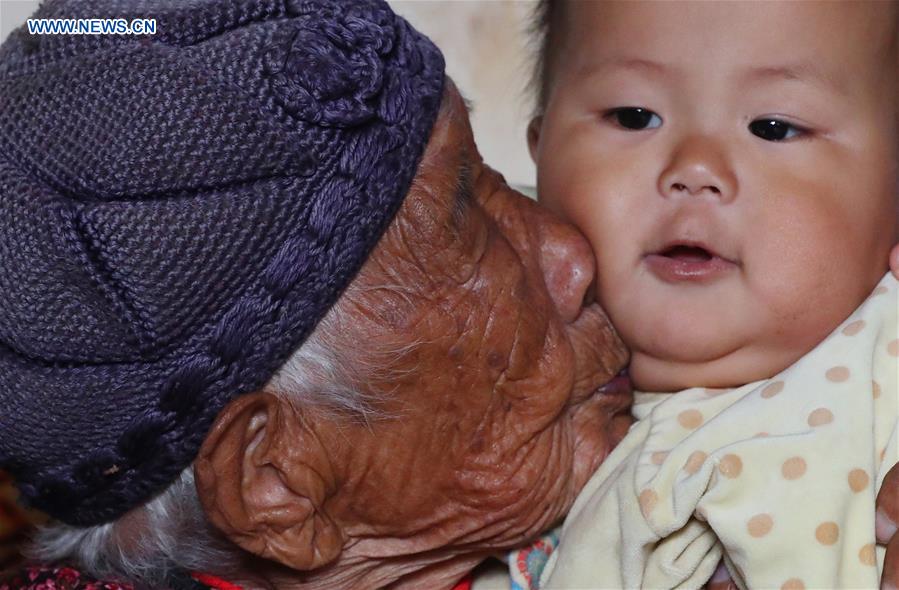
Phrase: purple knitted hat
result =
(177, 212)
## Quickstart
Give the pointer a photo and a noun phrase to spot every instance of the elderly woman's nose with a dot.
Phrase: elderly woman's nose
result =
(568, 265)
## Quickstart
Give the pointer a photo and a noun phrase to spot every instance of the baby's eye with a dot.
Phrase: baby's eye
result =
(775, 130)
(634, 118)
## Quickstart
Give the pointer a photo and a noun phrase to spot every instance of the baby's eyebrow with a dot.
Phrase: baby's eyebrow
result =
(802, 71)
(627, 63)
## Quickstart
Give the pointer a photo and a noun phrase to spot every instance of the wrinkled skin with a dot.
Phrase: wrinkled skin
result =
(493, 419)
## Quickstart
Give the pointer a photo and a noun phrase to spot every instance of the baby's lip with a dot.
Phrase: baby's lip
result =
(683, 261)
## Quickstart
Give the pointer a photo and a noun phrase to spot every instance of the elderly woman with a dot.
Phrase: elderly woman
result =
(266, 315)
(268, 321)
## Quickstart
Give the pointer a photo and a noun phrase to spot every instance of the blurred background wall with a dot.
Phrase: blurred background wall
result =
(487, 54)
(13, 13)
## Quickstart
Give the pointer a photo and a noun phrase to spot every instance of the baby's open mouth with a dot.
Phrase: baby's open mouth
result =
(687, 253)
(688, 261)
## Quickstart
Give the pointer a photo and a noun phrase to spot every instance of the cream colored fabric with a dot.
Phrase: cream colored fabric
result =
(778, 477)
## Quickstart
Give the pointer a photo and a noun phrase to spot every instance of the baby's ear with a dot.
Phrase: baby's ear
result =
(894, 260)
(534, 136)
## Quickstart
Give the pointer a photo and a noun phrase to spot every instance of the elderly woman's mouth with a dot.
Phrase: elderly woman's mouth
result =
(618, 393)
(600, 424)
(619, 385)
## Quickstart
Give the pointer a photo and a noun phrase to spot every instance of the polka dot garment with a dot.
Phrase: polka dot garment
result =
(778, 478)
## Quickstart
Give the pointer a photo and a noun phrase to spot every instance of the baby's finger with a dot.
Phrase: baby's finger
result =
(721, 580)
(890, 579)
(888, 507)
(731, 585)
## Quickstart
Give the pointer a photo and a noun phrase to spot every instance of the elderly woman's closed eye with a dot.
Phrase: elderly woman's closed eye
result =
(278, 323)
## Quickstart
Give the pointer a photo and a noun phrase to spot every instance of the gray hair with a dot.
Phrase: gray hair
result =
(171, 532)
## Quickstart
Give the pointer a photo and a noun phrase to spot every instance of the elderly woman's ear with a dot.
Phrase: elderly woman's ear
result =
(263, 478)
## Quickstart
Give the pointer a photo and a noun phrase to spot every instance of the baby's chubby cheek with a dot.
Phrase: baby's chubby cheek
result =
(768, 317)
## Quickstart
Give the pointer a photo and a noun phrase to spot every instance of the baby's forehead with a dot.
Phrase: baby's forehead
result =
(847, 38)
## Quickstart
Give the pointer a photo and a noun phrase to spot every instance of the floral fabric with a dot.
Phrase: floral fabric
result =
(58, 578)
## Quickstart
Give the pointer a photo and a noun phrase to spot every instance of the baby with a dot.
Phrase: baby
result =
(736, 169)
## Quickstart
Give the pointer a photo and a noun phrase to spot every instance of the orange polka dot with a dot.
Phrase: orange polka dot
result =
(760, 525)
(880, 290)
(659, 457)
(648, 500)
(867, 556)
(820, 417)
(690, 419)
(730, 466)
(837, 374)
(694, 462)
(793, 584)
(858, 480)
(772, 389)
(827, 533)
(793, 468)
(893, 348)
(854, 328)
(876, 389)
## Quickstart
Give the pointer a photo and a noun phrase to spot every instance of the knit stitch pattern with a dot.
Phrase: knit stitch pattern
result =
(177, 212)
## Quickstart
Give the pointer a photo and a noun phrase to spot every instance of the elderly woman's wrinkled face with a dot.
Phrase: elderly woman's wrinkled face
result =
(495, 421)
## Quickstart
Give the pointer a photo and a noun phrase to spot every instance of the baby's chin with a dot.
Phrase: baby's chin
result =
(737, 368)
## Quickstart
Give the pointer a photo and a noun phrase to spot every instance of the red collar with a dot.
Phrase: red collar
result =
(213, 582)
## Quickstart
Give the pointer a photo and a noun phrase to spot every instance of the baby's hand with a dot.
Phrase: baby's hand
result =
(888, 516)
(721, 579)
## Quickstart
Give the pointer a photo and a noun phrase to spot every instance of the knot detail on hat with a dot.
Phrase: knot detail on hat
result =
(332, 72)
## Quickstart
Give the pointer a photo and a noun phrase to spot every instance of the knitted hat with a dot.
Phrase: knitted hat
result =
(177, 212)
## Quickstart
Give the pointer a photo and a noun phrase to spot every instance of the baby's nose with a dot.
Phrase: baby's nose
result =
(698, 165)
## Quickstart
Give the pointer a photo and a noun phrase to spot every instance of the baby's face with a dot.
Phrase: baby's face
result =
(735, 168)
